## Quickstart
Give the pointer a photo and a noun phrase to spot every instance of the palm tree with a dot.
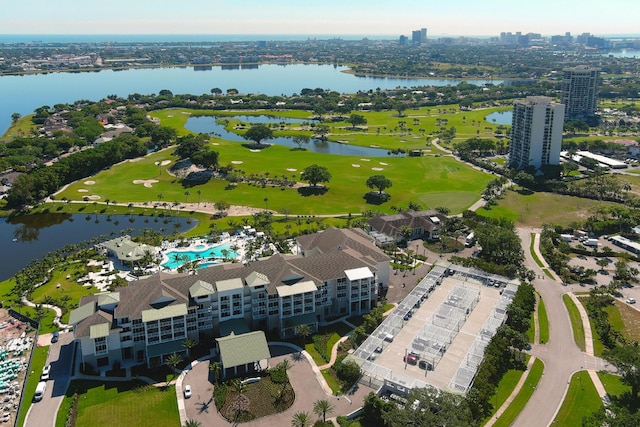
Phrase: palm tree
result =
(301, 419)
(193, 423)
(186, 196)
(173, 361)
(323, 407)
(199, 192)
(189, 344)
(266, 203)
(303, 331)
(214, 367)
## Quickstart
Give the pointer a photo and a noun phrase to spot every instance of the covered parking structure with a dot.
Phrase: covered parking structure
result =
(243, 353)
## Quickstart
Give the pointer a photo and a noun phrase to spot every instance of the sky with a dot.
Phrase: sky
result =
(330, 17)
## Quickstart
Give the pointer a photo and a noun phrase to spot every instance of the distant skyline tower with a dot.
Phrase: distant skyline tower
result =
(536, 132)
(580, 92)
(419, 36)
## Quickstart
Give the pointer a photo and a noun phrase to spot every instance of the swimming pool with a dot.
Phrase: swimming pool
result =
(177, 258)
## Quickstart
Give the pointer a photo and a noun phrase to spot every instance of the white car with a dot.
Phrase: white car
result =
(45, 373)
(187, 391)
(631, 300)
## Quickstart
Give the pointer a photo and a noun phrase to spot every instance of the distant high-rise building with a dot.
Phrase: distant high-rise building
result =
(403, 40)
(419, 36)
(536, 132)
(579, 92)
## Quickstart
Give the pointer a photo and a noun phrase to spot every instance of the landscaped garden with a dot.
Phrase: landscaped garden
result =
(581, 401)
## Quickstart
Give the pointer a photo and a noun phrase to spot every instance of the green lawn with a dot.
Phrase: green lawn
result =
(504, 389)
(631, 320)
(528, 209)
(332, 382)
(119, 404)
(533, 252)
(523, 396)
(543, 322)
(613, 384)
(37, 363)
(531, 332)
(429, 180)
(581, 401)
(576, 321)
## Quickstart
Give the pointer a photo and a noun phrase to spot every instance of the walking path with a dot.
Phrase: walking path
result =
(58, 311)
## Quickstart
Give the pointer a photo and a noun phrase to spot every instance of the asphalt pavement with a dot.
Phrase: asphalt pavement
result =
(43, 413)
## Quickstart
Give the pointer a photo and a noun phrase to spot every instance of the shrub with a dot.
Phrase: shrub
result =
(220, 396)
(320, 344)
(278, 375)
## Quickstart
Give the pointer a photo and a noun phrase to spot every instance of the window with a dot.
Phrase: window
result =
(100, 345)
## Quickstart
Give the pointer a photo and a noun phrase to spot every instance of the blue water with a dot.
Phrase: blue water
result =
(205, 254)
(210, 125)
(23, 94)
(29, 237)
(500, 117)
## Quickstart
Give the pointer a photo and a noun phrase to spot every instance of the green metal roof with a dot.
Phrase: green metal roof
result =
(108, 298)
(79, 314)
(165, 348)
(201, 289)
(99, 331)
(229, 285)
(233, 326)
(237, 350)
(164, 312)
(298, 288)
(256, 279)
(303, 319)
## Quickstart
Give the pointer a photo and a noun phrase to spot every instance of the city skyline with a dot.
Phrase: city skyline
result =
(329, 17)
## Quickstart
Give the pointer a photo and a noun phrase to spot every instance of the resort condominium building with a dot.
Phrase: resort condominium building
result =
(579, 92)
(536, 133)
(338, 272)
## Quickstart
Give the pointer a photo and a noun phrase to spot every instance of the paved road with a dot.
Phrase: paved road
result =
(561, 356)
(42, 413)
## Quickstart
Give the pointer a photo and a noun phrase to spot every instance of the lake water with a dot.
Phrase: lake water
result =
(29, 237)
(209, 125)
(500, 117)
(23, 94)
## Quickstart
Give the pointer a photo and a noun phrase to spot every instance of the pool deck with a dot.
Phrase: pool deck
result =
(202, 245)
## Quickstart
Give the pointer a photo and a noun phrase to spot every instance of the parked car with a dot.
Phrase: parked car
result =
(423, 364)
(45, 373)
(411, 358)
(55, 336)
(40, 388)
(631, 300)
(187, 391)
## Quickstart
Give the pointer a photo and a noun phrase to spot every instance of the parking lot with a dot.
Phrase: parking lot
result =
(442, 331)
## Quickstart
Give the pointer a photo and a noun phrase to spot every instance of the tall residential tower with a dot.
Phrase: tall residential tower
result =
(536, 132)
(579, 92)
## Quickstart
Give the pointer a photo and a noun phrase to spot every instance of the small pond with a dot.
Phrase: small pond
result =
(500, 117)
(209, 125)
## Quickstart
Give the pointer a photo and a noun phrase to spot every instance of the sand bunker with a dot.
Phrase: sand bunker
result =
(90, 182)
(93, 197)
(377, 169)
(355, 165)
(383, 164)
(146, 182)
(374, 146)
(165, 162)
(255, 151)
(135, 160)
(186, 112)
(292, 169)
(82, 190)
(215, 143)
(237, 162)
(365, 160)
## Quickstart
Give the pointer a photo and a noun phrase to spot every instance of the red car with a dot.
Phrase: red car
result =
(411, 358)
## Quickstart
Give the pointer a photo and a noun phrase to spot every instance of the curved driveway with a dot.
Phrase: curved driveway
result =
(561, 355)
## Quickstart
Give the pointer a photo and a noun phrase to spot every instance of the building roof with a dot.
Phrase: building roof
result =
(84, 327)
(100, 330)
(201, 289)
(127, 250)
(161, 349)
(238, 350)
(233, 326)
(359, 273)
(256, 279)
(296, 288)
(229, 284)
(338, 239)
(391, 225)
(164, 312)
(82, 312)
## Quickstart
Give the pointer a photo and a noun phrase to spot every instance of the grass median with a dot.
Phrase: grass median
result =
(576, 322)
(517, 405)
(581, 401)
